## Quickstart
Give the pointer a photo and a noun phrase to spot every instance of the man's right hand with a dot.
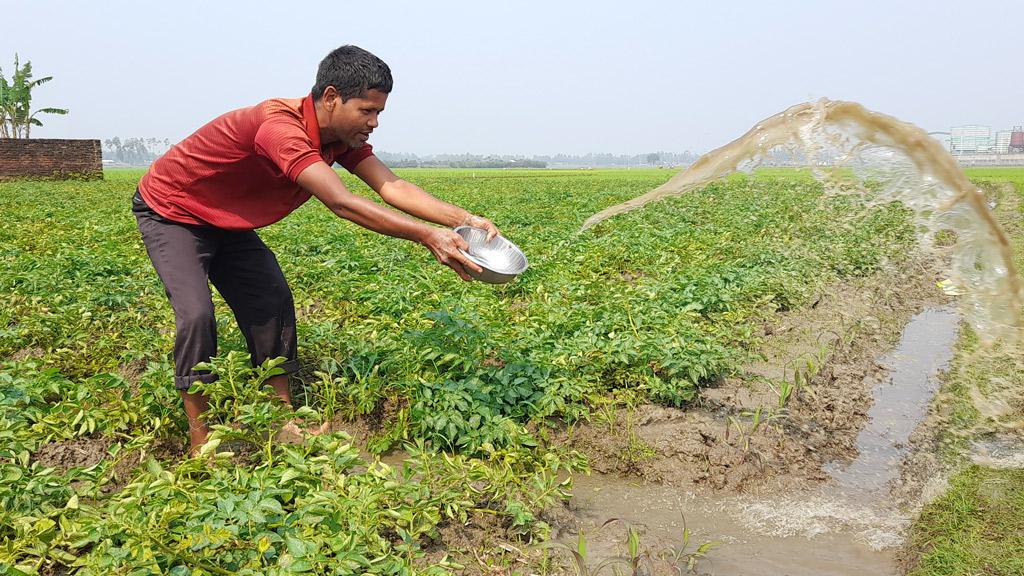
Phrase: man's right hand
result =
(446, 247)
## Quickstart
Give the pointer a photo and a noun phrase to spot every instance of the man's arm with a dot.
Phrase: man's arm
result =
(412, 199)
(323, 182)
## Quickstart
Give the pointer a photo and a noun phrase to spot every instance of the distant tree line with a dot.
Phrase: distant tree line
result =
(457, 161)
(134, 151)
(143, 151)
(650, 159)
(606, 160)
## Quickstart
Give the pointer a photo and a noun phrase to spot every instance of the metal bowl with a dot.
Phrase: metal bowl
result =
(500, 259)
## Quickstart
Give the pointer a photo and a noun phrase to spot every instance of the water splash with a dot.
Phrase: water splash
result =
(810, 516)
(885, 160)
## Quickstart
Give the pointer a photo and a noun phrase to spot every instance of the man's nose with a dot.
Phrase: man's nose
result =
(373, 123)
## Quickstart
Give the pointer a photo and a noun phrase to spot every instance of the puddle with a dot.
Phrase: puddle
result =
(742, 550)
(845, 527)
(900, 403)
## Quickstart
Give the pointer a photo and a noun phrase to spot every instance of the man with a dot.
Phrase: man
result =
(198, 206)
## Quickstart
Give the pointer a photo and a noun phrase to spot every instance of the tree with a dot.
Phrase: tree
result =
(654, 158)
(16, 115)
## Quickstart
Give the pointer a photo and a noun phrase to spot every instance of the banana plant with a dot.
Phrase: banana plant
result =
(16, 115)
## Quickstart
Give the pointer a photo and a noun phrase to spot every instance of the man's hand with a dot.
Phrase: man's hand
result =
(484, 223)
(446, 247)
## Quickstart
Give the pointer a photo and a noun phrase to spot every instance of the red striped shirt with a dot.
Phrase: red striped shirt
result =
(238, 171)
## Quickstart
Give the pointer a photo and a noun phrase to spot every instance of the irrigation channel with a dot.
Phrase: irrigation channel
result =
(848, 525)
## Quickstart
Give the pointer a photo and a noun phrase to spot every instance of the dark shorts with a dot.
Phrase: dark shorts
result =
(245, 272)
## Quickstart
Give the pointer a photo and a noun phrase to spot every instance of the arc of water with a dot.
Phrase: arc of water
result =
(997, 296)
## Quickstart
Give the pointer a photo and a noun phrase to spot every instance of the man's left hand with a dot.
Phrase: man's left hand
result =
(484, 223)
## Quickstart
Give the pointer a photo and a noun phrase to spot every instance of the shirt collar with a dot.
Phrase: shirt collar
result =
(309, 117)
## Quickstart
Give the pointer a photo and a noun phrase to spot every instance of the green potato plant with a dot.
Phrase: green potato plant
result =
(468, 378)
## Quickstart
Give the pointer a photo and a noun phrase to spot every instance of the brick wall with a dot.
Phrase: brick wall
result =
(50, 158)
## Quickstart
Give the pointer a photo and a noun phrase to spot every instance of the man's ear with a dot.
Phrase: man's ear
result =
(330, 97)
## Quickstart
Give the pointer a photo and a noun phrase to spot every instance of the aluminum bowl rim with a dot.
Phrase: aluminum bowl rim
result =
(510, 271)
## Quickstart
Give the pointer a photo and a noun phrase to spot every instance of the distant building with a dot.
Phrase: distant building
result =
(971, 139)
(1017, 140)
(1003, 142)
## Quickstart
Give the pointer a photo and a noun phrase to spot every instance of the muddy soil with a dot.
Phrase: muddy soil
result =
(365, 427)
(736, 437)
(89, 451)
(76, 453)
(28, 353)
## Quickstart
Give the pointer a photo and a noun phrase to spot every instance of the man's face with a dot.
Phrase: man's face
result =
(352, 121)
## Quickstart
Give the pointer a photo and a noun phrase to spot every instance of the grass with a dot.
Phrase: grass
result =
(976, 527)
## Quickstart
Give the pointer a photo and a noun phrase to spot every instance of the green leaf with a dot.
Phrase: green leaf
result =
(272, 505)
(154, 468)
(296, 547)
(226, 505)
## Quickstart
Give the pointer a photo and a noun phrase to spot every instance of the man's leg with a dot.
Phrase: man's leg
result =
(181, 255)
(198, 431)
(247, 275)
(280, 385)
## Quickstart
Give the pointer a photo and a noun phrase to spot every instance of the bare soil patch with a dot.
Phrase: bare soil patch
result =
(485, 545)
(169, 450)
(89, 451)
(75, 453)
(131, 372)
(365, 427)
(28, 353)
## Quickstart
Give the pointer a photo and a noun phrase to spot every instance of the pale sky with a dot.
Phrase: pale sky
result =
(524, 77)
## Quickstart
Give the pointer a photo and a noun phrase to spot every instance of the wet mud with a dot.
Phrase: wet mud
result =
(76, 453)
(89, 451)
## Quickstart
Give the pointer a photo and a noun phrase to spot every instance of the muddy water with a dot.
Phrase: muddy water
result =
(900, 402)
(740, 550)
(847, 526)
(889, 161)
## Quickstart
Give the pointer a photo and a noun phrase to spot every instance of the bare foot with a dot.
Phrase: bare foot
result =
(294, 433)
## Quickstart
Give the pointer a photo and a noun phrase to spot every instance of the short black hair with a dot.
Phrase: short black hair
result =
(353, 72)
